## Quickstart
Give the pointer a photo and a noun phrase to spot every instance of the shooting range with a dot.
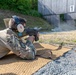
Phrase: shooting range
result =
(55, 51)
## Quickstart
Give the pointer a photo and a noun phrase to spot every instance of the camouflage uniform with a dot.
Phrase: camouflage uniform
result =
(21, 49)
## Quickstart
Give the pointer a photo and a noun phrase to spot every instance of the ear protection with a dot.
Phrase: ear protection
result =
(19, 26)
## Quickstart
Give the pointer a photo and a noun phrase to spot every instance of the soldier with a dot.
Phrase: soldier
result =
(16, 30)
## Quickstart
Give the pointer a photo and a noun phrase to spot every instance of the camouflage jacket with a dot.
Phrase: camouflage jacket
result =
(24, 50)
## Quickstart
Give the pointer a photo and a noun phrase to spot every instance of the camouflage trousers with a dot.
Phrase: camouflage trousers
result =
(17, 46)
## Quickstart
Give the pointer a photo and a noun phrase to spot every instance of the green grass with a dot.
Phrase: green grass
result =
(74, 41)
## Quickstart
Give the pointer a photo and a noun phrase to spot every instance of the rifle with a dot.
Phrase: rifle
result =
(33, 31)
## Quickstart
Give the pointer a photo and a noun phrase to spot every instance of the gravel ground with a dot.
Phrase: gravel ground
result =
(64, 65)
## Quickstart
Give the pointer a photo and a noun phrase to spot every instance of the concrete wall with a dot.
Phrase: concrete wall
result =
(53, 19)
(47, 7)
(51, 10)
(69, 16)
(58, 7)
